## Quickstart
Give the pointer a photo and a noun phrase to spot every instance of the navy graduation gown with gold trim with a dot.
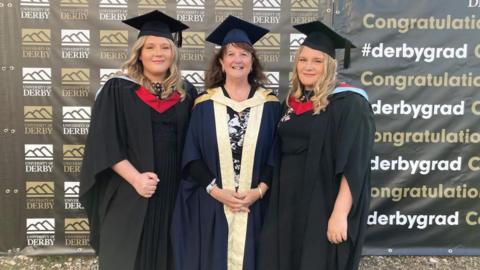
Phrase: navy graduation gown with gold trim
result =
(120, 128)
(199, 228)
(340, 143)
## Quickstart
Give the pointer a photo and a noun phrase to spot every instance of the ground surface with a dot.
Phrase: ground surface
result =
(368, 263)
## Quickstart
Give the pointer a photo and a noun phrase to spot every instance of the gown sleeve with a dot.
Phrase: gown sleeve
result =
(355, 133)
(191, 149)
(190, 89)
(105, 146)
(198, 170)
(267, 173)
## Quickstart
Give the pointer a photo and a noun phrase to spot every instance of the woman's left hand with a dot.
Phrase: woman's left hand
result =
(337, 228)
(250, 196)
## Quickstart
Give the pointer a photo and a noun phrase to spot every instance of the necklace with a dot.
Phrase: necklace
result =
(306, 95)
(158, 89)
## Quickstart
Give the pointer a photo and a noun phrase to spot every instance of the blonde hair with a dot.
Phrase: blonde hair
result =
(322, 87)
(133, 68)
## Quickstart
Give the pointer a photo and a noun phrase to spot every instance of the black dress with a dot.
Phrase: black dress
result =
(294, 137)
(155, 250)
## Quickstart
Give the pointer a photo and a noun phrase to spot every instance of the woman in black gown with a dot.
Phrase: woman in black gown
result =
(320, 198)
(130, 171)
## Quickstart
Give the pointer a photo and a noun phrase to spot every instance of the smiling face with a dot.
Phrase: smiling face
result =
(157, 57)
(310, 66)
(236, 62)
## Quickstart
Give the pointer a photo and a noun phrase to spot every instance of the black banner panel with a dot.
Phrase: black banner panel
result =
(418, 61)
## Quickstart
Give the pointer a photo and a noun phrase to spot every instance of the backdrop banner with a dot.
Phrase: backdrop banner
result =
(418, 61)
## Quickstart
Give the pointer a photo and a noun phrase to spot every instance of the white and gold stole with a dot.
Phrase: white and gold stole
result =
(237, 222)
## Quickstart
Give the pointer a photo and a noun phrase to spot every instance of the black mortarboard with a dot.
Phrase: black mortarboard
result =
(235, 30)
(323, 38)
(158, 24)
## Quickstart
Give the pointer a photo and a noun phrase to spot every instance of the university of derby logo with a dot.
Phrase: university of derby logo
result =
(72, 189)
(34, 3)
(193, 47)
(37, 81)
(37, 76)
(75, 43)
(71, 193)
(107, 73)
(191, 10)
(267, 5)
(36, 43)
(273, 81)
(40, 189)
(37, 114)
(35, 9)
(190, 4)
(38, 120)
(113, 10)
(73, 152)
(40, 37)
(266, 11)
(113, 4)
(75, 82)
(40, 194)
(195, 77)
(72, 158)
(304, 5)
(76, 120)
(74, 3)
(74, 114)
(38, 152)
(268, 48)
(40, 226)
(147, 5)
(74, 9)
(303, 11)
(40, 231)
(296, 40)
(76, 226)
(75, 76)
(229, 4)
(113, 38)
(194, 40)
(224, 8)
(77, 232)
(38, 158)
(113, 44)
(75, 38)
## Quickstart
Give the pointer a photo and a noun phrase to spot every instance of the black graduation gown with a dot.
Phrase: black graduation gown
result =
(340, 143)
(120, 128)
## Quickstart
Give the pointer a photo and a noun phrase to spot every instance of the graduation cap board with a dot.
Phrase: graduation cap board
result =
(158, 24)
(235, 30)
(323, 38)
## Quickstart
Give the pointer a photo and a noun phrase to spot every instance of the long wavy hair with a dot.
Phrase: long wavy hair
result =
(215, 77)
(322, 87)
(133, 68)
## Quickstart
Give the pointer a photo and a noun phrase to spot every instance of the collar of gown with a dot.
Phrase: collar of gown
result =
(259, 98)
(159, 105)
(300, 107)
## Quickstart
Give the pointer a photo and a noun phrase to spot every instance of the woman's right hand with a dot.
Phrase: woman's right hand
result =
(145, 184)
(230, 198)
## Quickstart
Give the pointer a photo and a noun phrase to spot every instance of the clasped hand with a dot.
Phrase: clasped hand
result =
(236, 201)
(145, 184)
